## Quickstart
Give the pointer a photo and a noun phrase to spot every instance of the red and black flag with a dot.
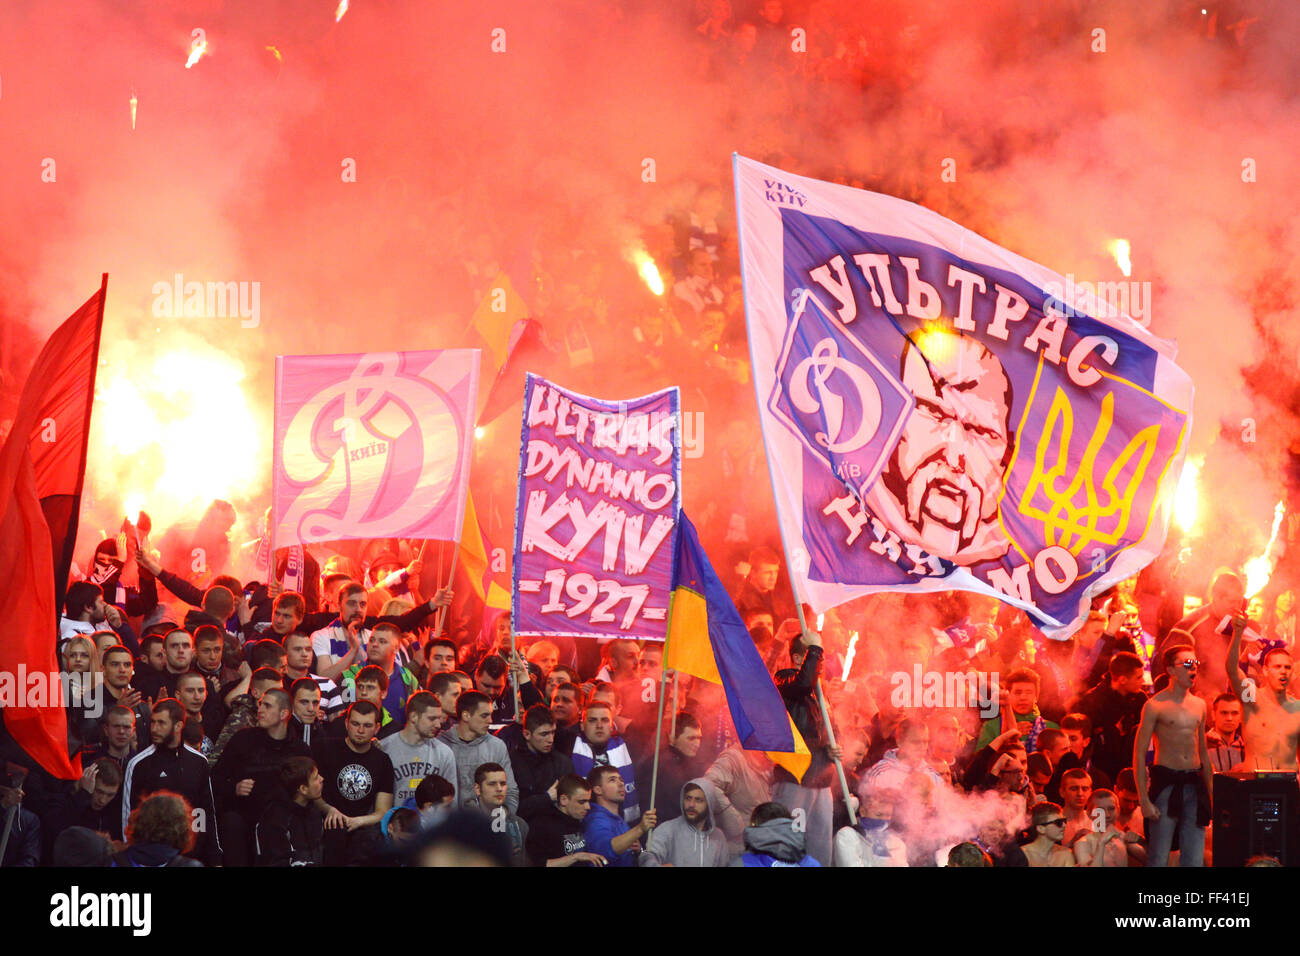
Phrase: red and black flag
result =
(42, 466)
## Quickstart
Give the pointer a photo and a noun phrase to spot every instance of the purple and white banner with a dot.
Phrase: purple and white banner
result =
(599, 495)
(942, 413)
(372, 445)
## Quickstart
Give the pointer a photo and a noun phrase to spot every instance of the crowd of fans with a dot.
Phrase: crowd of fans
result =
(373, 719)
(239, 725)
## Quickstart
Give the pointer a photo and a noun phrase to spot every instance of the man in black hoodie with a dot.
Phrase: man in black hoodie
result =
(536, 763)
(248, 773)
(798, 687)
(555, 835)
(167, 764)
(292, 829)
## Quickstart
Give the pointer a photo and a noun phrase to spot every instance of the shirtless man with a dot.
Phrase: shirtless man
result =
(1047, 823)
(1270, 725)
(1181, 777)
(1105, 844)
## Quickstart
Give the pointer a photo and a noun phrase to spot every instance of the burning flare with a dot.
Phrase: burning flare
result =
(1185, 498)
(197, 51)
(175, 434)
(340, 10)
(134, 101)
(1260, 568)
(1120, 249)
(851, 653)
(646, 268)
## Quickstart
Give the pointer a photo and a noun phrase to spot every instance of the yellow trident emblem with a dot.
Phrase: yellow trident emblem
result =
(1083, 512)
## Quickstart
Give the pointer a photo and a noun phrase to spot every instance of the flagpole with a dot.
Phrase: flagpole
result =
(659, 724)
(771, 476)
(443, 611)
(514, 681)
(672, 727)
(826, 716)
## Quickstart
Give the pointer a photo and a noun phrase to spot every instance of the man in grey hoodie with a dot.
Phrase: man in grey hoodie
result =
(473, 746)
(691, 839)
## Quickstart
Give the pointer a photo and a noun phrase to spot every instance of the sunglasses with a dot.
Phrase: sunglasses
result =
(1190, 665)
(1058, 822)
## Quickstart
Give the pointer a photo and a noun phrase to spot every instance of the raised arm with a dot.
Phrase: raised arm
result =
(1232, 664)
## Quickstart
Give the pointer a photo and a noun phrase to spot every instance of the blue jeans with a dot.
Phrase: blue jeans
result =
(1160, 833)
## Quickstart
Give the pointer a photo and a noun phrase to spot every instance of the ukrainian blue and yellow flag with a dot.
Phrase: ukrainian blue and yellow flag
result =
(707, 639)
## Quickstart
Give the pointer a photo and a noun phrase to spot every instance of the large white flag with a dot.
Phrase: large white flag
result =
(942, 413)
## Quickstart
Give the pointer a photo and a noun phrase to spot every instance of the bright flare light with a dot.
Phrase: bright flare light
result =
(340, 10)
(849, 655)
(134, 103)
(197, 51)
(479, 432)
(178, 434)
(1185, 498)
(1120, 249)
(646, 268)
(1260, 568)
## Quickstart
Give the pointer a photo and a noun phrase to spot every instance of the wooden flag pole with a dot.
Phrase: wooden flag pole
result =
(444, 611)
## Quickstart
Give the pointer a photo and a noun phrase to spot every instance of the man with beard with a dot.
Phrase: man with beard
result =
(1270, 726)
(168, 764)
(691, 838)
(941, 486)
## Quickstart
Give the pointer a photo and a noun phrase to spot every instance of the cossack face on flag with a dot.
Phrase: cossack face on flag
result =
(373, 445)
(599, 495)
(941, 413)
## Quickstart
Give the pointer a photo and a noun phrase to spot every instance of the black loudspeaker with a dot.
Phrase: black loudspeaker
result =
(1255, 815)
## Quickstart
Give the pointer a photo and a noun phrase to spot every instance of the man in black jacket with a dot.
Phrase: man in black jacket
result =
(292, 829)
(248, 772)
(1115, 708)
(798, 687)
(95, 804)
(536, 763)
(492, 678)
(167, 764)
(555, 836)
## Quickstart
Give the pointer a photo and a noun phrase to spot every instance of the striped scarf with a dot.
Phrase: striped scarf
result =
(616, 755)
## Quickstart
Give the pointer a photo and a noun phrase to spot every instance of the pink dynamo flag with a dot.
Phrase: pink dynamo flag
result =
(372, 445)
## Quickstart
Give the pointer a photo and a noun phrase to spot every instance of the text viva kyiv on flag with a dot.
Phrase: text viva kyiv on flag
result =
(938, 416)
(373, 445)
